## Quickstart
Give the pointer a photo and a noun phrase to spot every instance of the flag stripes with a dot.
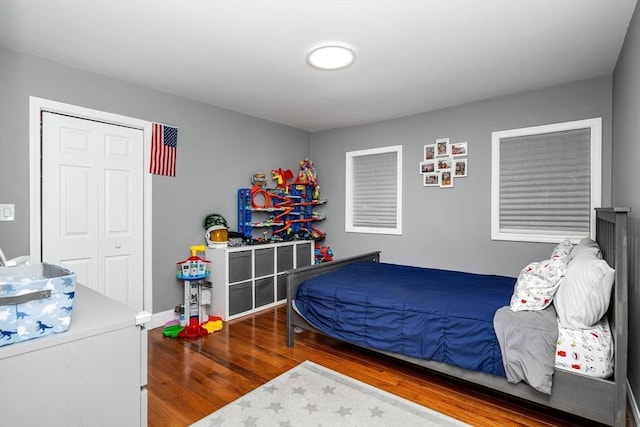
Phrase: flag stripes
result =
(164, 143)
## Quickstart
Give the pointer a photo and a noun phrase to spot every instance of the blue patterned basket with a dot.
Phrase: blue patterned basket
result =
(35, 301)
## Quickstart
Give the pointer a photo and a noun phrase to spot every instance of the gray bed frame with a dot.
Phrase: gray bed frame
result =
(601, 400)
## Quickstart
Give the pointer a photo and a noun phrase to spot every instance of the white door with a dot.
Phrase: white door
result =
(92, 204)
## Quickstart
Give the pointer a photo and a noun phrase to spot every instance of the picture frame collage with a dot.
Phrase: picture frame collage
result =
(443, 162)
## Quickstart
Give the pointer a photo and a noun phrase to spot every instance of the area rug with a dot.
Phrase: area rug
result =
(312, 395)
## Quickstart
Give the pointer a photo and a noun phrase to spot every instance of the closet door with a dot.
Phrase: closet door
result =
(92, 204)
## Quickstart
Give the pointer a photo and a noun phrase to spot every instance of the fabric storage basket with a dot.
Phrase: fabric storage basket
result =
(35, 301)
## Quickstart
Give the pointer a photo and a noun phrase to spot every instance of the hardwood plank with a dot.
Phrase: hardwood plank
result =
(189, 379)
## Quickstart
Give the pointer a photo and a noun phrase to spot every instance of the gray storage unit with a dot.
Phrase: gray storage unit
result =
(304, 254)
(239, 266)
(251, 278)
(240, 298)
(264, 291)
(264, 262)
(285, 258)
(281, 287)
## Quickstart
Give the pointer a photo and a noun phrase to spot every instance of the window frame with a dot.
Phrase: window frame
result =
(349, 226)
(595, 196)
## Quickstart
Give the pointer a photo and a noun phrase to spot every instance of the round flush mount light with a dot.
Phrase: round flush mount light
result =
(331, 57)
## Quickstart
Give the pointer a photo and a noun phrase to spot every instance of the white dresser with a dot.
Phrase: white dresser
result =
(92, 375)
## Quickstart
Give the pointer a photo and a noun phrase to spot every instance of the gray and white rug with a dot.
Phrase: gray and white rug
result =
(311, 395)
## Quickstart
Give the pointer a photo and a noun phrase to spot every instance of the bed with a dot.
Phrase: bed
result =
(573, 391)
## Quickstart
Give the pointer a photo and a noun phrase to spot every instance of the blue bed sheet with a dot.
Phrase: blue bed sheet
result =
(432, 314)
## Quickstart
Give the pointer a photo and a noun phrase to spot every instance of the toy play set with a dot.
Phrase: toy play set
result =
(265, 215)
(194, 321)
(285, 210)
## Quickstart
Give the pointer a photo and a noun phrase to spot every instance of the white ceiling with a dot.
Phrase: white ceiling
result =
(249, 56)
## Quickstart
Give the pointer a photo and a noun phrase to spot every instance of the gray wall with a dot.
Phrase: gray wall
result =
(218, 151)
(626, 174)
(450, 228)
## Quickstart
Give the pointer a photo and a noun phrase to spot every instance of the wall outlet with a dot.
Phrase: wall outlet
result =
(7, 212)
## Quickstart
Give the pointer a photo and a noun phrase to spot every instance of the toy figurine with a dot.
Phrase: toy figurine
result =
(282, 177)
(307, 172)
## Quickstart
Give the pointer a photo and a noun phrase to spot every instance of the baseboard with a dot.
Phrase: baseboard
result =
(633, 404)
(161, 318)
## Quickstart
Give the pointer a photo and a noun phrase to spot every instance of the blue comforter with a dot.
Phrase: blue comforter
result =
(432, 314)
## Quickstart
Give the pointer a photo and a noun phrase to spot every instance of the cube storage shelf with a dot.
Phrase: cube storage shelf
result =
(248, 279)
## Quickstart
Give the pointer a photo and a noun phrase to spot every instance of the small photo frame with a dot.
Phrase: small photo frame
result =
(428, 167)
(459, 149)
(429, 152)
(442, 147)
(459, 168)
(446, 179)
(431, 179)
(445, 163)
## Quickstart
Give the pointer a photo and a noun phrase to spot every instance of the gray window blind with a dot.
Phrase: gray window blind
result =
(374, 195)
(545, 182)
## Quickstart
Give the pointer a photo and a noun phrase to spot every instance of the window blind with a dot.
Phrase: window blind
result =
(545, 182)
(375, 190)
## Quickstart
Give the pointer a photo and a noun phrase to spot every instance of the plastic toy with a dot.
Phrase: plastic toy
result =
(288, 207)
(217, 231)
(214, 324)
(282, 177)
(259, 179)
(194, 267)
(193, 322)
(307, 173)
(323, 254)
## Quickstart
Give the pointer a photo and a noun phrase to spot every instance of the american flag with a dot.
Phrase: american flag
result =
(164, 142)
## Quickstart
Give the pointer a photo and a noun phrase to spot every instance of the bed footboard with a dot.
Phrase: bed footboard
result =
(297, 276)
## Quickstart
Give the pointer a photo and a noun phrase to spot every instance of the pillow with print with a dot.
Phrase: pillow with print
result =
(537, 284)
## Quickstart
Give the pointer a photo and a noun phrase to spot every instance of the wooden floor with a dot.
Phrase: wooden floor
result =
(189, 379)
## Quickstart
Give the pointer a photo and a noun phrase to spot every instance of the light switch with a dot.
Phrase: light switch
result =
(7, 212)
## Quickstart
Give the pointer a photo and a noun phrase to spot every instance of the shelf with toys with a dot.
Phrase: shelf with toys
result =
(276, 233)
(287, 211)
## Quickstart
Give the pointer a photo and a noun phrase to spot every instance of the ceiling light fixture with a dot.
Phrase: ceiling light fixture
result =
(331, 57)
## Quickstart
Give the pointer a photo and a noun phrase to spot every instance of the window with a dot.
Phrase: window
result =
(374, 191)
(546, 181)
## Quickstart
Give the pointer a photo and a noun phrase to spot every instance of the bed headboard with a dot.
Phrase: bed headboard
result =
(611, 235)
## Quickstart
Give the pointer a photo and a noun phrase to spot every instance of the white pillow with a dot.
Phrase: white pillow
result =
(537, 283)
(588, 246)
(585, 293)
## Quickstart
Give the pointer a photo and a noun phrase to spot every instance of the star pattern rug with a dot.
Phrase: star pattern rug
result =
(311, 395)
